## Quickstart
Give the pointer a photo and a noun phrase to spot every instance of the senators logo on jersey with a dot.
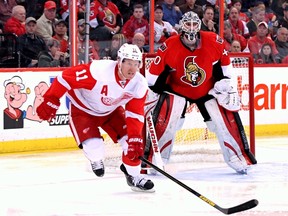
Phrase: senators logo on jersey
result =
(194, 75)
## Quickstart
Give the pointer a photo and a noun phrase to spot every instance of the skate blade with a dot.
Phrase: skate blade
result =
(242, 172)
(136, 189)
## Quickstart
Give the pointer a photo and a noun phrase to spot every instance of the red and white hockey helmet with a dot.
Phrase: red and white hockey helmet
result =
(190, 25)
(130, 51)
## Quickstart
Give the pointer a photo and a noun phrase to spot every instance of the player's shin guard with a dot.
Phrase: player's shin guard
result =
(227, 131)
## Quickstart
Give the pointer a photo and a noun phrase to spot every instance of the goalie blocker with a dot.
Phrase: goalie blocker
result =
(168, 117)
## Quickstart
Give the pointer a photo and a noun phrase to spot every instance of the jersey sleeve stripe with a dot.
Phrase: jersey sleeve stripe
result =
(135, 116)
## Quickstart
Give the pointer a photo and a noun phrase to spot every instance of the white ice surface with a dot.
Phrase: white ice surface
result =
(59, 184)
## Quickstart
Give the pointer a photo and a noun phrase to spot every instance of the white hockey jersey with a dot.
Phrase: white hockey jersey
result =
(97, 89)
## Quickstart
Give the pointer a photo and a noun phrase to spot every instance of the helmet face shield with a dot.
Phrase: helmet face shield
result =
(190, 25)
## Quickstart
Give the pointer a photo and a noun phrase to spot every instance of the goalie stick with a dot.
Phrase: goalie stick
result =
(244, 138)
(242, 207)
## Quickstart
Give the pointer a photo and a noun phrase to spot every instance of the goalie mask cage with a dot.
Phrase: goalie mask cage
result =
(193, 142)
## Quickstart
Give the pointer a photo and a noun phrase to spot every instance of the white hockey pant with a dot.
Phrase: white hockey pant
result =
(230, 148)
(93, 149)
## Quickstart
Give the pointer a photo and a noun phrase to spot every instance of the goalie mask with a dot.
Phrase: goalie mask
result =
(130, 51)
(190, 25)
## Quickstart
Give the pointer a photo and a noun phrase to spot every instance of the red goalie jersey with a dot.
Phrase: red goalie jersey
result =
(191, 71)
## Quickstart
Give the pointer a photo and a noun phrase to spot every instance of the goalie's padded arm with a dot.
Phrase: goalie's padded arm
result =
(160, 84)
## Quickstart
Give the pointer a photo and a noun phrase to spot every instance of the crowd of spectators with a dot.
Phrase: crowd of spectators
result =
(42, 27)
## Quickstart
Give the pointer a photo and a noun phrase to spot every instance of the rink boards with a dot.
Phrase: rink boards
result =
(270, 103)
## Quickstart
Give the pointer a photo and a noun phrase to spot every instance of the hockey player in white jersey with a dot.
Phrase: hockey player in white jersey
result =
(109, 95)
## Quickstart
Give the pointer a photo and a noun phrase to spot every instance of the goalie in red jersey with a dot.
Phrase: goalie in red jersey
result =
(195, 65)
(98, 92)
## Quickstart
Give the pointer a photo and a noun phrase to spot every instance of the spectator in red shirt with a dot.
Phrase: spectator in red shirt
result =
(105, 21)
(16, 24)
(229, 37)
(64, 9)
(60, 30)
(238, 25)
(136, 24)
(256, 42)
(242, 16)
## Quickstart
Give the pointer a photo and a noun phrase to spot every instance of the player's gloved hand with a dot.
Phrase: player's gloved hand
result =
(135, 148)
(226, 95)
(48, 108)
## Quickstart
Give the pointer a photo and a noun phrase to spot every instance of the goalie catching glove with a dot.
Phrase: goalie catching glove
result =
(135, 148)
(226, 96)
(48, 108)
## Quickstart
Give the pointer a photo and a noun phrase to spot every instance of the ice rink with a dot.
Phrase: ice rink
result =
(61, 184)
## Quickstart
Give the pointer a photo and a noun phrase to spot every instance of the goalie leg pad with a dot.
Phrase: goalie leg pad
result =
(228, 136)
(150, 102)
(167, 120)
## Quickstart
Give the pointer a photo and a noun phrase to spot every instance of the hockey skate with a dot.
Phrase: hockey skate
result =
(138, 183)
(98, 168)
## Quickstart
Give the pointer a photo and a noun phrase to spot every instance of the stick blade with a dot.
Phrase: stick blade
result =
(242, 207)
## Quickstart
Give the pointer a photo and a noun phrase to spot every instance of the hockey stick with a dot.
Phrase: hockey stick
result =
(242, 207)
(244, 138)
(154, 141)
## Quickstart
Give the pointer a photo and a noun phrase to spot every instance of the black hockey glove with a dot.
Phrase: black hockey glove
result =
(160, 85)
